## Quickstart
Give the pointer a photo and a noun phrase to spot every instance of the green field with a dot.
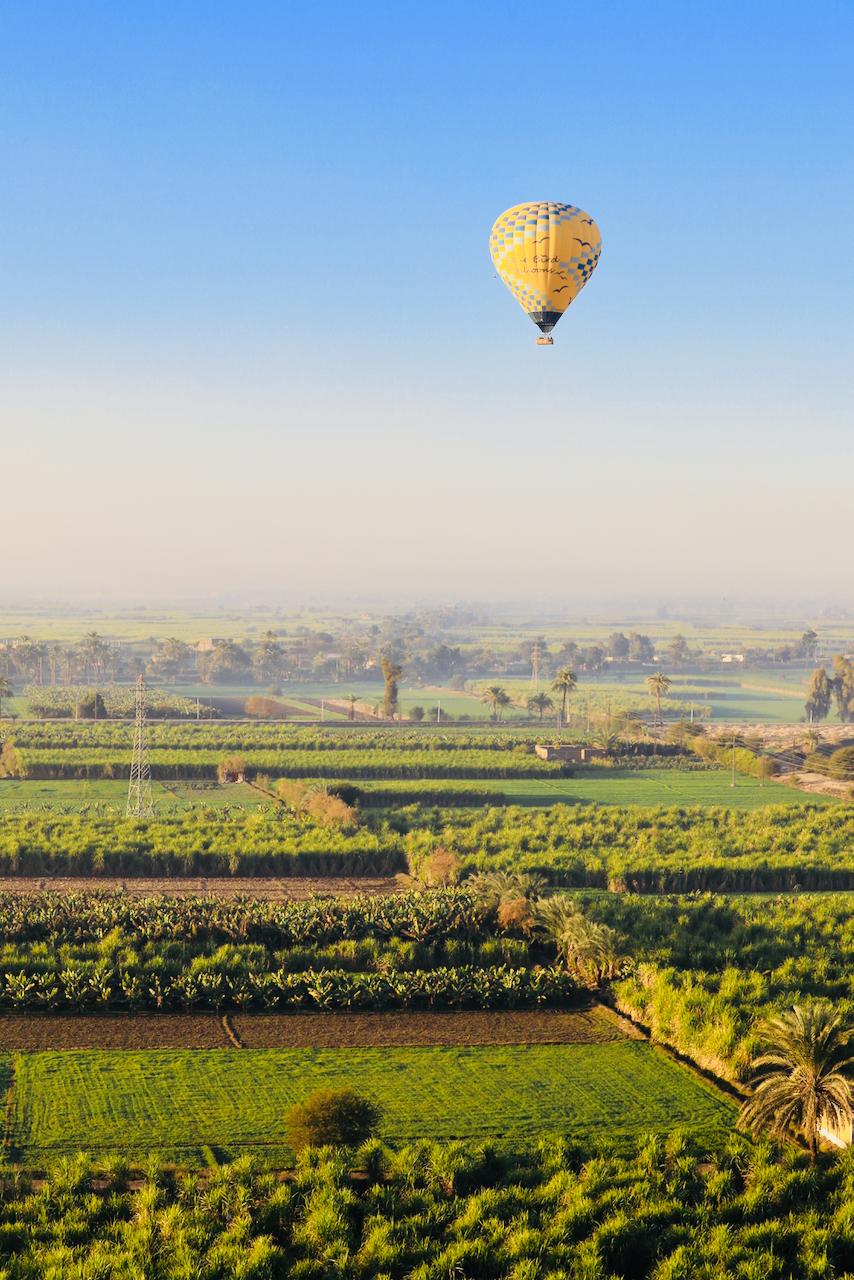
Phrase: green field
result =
(650, 787)
(623, 787)
(181, 1100)
(107, 795)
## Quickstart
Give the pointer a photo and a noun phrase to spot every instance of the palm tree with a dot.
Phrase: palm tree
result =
(657, 684)
(352, 698)
(609, 742)
(491, 888)
(559, 919)
(804, 1076)
(496, 697)
(6, 690)
(564, 683)
(540, 702)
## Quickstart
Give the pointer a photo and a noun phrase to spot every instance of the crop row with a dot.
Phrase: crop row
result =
(388, 795)
(118, 700)
(269, 844)
(548, 1207)
(639, 850)
(75, 989)
(230, 736)
(100, 762)
(653, 850)
(91, 917)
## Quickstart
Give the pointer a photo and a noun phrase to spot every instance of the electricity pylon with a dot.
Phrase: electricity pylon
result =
(140, 802)
(535, 668)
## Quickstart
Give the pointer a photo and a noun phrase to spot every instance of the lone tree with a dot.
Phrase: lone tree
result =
(804, 1076)
(564, 683)
(820, 695)
(392, 671)
(540, 702)
(657, 685)
(332, 1118)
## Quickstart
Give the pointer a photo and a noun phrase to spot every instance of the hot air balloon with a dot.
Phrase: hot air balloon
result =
(545, 253)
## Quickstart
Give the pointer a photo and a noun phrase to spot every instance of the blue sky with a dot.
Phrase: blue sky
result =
(245, 273)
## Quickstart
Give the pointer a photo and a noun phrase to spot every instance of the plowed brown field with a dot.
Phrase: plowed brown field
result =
(22, 1032)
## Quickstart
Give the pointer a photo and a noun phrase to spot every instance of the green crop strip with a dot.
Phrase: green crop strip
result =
(174, 1100)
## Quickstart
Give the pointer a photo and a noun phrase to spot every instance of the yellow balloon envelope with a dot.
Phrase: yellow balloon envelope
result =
(545, 253)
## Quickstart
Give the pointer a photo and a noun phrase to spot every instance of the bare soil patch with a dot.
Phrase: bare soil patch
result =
(35, 1032)
(22, 1032)
(820, 785)
(296, 889)
(397, 1030)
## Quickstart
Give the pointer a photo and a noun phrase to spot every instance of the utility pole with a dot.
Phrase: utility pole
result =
(588, 710)
(140, 803)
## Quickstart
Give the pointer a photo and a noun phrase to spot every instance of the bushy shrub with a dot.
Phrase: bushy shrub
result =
(332, 1118)
(441, 867)
(230, 765)
(319, 803)
(10, 763)
(265, 708)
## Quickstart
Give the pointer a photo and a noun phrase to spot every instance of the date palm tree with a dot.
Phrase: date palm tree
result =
(540, 702)
(804, 1076)
(564, 683)
(497, 698)
(559, 920)
(657, 685)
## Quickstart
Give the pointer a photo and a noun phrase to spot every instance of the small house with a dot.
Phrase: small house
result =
(230, 776)
(576, 754)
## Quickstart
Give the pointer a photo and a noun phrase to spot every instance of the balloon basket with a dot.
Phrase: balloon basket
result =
(545, 342)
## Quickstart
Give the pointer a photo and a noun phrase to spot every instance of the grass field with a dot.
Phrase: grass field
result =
(650, 787)
(169, 797)
(592, 785)
(178, 1101)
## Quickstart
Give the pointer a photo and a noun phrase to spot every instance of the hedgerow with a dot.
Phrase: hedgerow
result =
(96, 762)
(636, 850)
(267, 843)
